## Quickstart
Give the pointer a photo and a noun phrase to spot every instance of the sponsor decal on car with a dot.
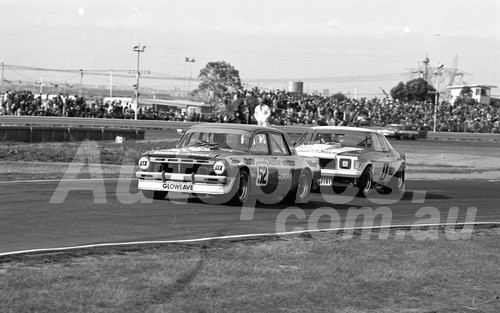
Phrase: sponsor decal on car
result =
(248, 161)
(281, 162)
(284, 176)
(171, 186)
(235, 161)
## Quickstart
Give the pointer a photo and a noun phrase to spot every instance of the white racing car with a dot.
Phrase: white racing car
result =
(357, 157)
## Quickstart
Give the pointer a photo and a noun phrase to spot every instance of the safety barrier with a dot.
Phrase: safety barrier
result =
(48, 134)
(131, 128)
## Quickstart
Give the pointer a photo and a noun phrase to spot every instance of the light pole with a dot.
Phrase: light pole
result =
(137, 49)
(188, 60)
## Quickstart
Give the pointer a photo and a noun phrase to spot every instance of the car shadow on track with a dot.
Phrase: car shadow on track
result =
(340, 201)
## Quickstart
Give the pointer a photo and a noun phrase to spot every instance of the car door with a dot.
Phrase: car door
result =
(266, 177)
(285, 162)
(393, 158)
(382, 160)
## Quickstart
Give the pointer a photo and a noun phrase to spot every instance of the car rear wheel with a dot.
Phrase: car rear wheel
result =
(365, 182)
(302, 192)
(154, 194)
(396, 185)
(304, 188)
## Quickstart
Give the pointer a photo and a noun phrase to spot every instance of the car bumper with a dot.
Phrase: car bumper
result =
(339, 177)
(185, 183)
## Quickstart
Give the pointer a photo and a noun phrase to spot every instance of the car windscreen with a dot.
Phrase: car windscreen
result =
(343, 138)
(231, 139)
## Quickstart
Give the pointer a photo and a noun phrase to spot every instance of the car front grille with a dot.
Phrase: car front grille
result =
(183, 166)
(328, 163)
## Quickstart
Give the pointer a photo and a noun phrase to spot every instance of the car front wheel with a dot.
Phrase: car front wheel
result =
(365, 182)
(241, 188)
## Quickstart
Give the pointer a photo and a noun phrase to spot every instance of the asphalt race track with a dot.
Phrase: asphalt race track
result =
(30, 221)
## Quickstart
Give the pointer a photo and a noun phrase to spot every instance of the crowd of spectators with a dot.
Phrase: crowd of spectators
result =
(287, 108)
(26, 103)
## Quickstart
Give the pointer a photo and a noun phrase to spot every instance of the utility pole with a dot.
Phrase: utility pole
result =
(137, 49)
(111, 84)
(1, 90)
(81, 82)
(436, 100)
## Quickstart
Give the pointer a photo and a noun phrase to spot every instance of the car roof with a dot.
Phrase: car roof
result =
(248, 127)
(345, 128)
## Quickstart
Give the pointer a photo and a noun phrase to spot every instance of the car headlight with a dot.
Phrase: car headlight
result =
(219, 167)
(144, 163)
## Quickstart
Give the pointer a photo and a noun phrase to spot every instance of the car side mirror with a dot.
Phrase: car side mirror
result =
(180, 131)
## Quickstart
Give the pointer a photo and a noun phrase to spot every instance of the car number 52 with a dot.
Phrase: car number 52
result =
(262, 174)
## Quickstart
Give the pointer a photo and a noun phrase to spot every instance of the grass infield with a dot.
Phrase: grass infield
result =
(324, 273)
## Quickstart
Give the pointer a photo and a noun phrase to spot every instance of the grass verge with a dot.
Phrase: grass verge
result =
(64, 152)
(20, 161)
(295, 274)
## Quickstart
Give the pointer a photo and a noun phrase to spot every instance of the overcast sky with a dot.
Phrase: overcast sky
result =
(263, 39)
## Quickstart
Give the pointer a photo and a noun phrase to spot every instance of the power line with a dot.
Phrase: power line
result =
(338, 79)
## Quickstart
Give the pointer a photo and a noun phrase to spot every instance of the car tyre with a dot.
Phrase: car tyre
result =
(365, 182)
(241, 190)
(302, 192)
(398, 185)
(154, 194)
(339, 189)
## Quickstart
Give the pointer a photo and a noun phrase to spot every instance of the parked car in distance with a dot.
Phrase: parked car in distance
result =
(354, 157)
(229, 163)
(403, 131)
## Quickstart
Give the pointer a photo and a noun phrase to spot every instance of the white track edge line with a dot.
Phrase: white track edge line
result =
(117, 244)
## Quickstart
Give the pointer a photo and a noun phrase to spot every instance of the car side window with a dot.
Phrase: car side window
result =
(278, 145)
(377, 146)
(385, 144)
(259, 144)
(366, 142)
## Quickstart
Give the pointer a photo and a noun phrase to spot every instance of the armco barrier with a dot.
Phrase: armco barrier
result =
(48, 134)
(136, 127)
(462, 136)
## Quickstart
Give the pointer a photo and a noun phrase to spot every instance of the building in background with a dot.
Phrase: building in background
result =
(297, 87)
(480, 93)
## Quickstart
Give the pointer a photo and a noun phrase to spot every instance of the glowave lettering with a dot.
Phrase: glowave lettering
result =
(173, 186)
